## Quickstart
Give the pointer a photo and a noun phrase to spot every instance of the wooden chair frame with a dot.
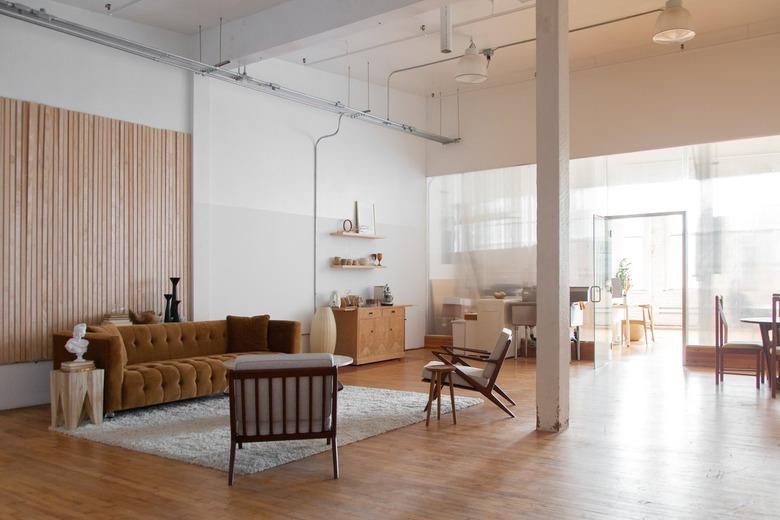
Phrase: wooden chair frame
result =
(283, 374)
(773, 361)
(722, 348)
(483, 356)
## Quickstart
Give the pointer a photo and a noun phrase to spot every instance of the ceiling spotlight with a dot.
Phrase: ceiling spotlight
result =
(472, 66)
(674, 24)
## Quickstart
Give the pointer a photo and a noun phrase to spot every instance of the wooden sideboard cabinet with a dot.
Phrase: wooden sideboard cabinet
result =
(370, 334)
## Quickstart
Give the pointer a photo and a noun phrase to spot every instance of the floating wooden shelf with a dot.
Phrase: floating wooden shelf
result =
(358, 266)
(354, 235)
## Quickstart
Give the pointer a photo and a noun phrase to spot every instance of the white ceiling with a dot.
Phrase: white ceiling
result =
(402, 43)
(183, 16)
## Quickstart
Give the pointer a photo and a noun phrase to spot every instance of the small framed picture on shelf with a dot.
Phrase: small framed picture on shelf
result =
(365, 217)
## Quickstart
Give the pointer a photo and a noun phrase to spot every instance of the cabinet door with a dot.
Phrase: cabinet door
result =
(367, 338)
(396, 335)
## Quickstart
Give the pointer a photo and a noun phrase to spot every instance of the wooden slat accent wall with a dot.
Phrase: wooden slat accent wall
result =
(95, 215)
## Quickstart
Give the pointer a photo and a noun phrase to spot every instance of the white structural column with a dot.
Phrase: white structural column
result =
(552, 228)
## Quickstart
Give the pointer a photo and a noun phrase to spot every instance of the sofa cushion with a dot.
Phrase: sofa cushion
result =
(170, 380)
(247, 334)
(165, 341)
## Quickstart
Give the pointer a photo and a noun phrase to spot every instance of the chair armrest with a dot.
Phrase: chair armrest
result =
(108, 352)
(464, 356)
(284, 336)
(466, 349)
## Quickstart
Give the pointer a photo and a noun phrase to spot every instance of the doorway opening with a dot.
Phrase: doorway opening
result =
(640, 268)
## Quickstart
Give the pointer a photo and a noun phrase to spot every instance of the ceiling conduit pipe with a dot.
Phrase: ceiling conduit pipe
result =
(41, 18)
(490, 51)
(316, 148)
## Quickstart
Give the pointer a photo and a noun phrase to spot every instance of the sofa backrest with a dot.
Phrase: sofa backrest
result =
(163, 341)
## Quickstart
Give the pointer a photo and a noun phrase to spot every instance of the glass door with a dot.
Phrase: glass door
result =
(600, 296)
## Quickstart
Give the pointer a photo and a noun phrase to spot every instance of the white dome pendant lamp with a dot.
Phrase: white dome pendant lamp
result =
(472, 66)
(674, 24)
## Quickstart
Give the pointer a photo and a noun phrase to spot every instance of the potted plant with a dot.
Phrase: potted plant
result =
(624, 275)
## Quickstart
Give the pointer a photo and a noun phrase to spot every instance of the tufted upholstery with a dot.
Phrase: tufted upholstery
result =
(165, 362)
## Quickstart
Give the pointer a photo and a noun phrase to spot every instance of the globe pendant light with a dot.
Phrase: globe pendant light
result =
(472, 66)
(674, 24)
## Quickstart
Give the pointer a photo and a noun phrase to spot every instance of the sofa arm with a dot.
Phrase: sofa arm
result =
(108, 352)
(284, 336)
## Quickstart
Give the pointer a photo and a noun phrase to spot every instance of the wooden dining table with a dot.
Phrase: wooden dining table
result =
(765, 325)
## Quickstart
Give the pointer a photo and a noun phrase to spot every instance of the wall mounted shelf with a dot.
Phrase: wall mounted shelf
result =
(355, 235)
(358, 266)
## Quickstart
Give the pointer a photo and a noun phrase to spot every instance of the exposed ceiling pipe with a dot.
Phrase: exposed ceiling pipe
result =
(445, 29)
(425, 33)
(316, 241)
(44, 19)
(490, 51)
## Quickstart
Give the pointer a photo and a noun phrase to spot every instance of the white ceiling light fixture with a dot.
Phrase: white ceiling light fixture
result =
(472, 66)
(674, 24)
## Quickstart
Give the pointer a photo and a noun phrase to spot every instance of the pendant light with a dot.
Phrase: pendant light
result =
(472, 66)
(674, 24)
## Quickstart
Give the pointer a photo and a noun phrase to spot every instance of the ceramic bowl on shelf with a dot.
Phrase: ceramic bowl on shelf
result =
(363, 261)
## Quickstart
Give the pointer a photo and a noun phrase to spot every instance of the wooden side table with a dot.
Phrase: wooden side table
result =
(439, 373)
(78, 395)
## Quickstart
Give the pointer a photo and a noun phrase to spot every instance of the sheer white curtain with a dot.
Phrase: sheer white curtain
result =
(482, 225)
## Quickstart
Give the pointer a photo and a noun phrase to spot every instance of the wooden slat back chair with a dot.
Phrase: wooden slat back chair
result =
(482, 380)
(277, 397)
(773, 359)
(724, 346)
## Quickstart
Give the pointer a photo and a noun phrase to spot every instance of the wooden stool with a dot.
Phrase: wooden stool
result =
(439, 373)
(78, 395)
(648, 309)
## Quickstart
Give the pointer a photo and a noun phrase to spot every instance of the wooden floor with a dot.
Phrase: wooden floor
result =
(647, 439)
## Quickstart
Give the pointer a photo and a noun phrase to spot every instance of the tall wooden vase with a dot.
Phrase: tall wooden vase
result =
(323, 331)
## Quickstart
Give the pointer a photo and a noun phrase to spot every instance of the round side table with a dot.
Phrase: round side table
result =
(439, 374)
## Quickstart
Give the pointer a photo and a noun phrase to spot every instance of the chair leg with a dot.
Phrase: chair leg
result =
(758, 370)
(652, 322)
(493, 399)
(438, 395)
(240, 445)
(327, 441)
(503, 394)
(452, 399)
(717, 366)
(430, 400)
(232, 461)
(335, 455)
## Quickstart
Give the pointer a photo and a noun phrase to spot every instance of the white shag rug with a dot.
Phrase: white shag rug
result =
(198, 431)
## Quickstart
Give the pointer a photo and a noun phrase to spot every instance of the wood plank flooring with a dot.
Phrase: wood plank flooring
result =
(648, 439)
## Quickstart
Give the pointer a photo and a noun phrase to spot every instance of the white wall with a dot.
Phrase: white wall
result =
(719, 93)
(253, 185)
(43, 66)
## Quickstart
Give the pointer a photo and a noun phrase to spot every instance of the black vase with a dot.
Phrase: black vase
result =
(167, 317)
(175, 311)
(174, 300)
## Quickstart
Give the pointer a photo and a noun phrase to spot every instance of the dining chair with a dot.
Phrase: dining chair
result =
(773, 368)
(482, 380)
(724, 346)
(279, 397)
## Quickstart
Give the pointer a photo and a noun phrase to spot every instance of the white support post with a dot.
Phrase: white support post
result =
(552, 229)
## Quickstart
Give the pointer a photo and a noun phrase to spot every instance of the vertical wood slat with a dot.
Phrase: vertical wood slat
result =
(95, 214)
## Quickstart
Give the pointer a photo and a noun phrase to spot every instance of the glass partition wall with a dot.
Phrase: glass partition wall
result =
(482, 227)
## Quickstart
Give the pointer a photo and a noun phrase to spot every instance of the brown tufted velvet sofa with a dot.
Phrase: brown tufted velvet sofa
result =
(165, 362)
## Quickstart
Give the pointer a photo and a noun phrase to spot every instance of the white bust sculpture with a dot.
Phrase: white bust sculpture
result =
(77, 344)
